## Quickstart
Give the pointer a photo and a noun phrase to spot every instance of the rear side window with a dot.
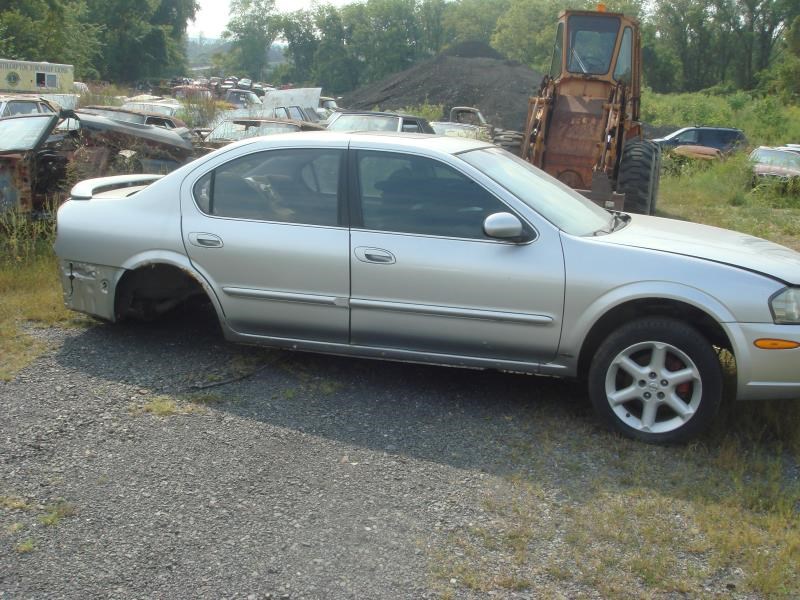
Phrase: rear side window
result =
(413, 194)
(286, 186)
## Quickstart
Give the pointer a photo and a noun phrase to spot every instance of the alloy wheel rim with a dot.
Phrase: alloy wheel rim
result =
(653, 387)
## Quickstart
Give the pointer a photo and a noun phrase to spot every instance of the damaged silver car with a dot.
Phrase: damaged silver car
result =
(447, 251)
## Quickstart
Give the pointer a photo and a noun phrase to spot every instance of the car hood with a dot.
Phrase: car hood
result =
(710, 243)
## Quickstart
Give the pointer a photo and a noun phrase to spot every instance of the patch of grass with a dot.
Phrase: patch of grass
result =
(56, 513)
(654, 521)
(166, 406)
(14, 503)
(161, 406)
(15, 528)
(30, 289)
(25, 546)
(204, 399)
(721, 194)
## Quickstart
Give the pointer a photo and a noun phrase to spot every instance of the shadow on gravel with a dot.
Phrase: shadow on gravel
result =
(464, 418)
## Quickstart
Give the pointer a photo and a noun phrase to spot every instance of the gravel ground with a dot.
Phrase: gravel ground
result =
(314, 477)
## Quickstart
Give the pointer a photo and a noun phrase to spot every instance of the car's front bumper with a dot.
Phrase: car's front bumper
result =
(766, 374)
(89, 288)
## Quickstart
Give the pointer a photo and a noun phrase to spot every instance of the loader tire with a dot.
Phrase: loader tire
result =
(639, 172)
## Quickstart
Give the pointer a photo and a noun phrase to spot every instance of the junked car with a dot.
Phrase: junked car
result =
(378, 121)
(774, 164)
(36, 149)
(233, 130)
(11, 105)
(448, 251)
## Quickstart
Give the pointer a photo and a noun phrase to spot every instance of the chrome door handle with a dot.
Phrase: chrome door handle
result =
(205, 240)
(374, 255)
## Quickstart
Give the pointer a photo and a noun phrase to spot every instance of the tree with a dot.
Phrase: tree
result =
(252, 27)
(467, 20)
(53, 31)
(300, 32)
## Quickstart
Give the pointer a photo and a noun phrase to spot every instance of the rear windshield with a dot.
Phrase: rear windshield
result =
(365, 123)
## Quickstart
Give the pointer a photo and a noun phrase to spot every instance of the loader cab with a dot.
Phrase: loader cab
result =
(597, 46)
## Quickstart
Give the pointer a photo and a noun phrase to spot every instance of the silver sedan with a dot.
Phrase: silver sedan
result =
(447, 251)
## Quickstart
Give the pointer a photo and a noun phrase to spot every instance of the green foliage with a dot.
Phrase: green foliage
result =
(764, 120)
(467, 20)
(252, 28)
(432, 112)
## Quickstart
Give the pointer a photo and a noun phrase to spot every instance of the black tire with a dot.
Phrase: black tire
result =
(681, 399)
(639, 174)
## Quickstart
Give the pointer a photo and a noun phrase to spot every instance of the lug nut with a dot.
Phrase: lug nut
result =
(647, 395)
(652, 375)
(664, 382)
(660, 395)
(642, 383)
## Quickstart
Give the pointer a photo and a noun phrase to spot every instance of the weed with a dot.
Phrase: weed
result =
(166, 406)
(15, 528)
(161, 406)
(25, 546)
(56, 513)
(205, 398)
(14, 503)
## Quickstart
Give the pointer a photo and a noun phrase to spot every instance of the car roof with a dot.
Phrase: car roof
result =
(385, 140)
(379, 113)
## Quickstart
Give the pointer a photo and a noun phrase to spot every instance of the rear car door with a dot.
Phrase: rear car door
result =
(267, 231)
(426, 278)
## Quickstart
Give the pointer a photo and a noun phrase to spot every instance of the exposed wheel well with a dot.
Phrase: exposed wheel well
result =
(154, 289)
(642, 307)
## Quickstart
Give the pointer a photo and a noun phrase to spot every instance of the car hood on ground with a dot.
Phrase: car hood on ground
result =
(710, 243)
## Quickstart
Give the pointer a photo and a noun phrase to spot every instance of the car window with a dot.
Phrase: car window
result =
(687, 137)
(21, 108)
(622, 72)
(411, 126)
(287, 186)
(710, 137)
(413, 194)
(295, 113)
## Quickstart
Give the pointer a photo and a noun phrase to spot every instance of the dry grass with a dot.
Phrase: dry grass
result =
(30, 290)
(585, 513)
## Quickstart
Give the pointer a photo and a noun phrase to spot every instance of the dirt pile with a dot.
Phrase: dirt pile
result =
(469, 74)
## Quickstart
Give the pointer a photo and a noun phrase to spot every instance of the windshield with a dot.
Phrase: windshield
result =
(22, 133)
(365, 123)
(239, 130)
(591, 44)
(777, 158)
(562, 206)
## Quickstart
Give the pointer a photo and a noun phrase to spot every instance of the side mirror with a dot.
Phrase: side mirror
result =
(504, 226)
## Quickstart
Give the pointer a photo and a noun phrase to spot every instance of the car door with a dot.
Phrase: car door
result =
(426, 278)
(267, 232)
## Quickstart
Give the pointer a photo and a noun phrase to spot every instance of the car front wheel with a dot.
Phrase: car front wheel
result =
(657, 380)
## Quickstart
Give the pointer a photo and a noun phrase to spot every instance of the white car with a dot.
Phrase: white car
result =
(449, 251)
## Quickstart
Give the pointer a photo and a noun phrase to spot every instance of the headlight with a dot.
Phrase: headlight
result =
(785, 306)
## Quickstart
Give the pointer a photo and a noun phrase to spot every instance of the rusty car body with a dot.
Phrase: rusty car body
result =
(36, 150)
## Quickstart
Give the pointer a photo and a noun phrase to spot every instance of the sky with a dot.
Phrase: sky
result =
(213, 14)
